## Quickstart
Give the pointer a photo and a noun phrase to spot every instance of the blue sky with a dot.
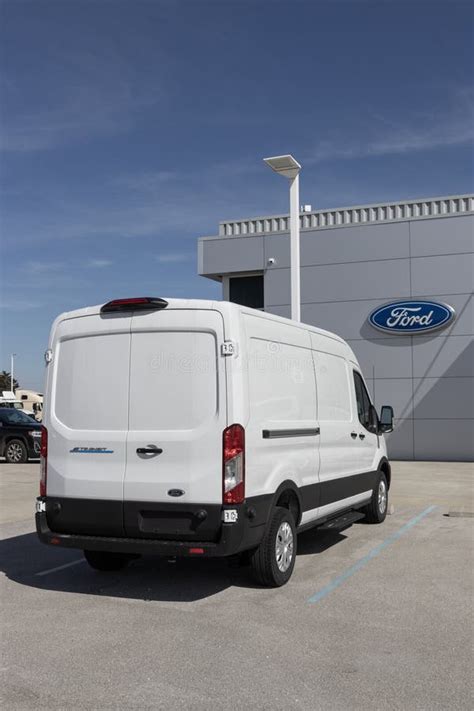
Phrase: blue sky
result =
(130, 128)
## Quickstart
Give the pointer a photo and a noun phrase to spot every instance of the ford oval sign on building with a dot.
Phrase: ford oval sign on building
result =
(411, 317)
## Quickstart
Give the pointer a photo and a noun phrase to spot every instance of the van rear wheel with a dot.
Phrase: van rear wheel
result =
(273, 561)
(102, 560)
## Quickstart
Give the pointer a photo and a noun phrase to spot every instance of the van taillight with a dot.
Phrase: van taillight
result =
(43, 460)
(233, 465)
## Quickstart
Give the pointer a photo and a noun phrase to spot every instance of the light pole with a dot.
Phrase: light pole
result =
(12, 358)
(290, 168)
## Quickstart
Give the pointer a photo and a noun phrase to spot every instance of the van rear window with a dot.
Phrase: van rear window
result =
(91, 390)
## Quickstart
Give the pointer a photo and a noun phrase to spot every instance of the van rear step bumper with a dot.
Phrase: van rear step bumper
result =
(234, 538)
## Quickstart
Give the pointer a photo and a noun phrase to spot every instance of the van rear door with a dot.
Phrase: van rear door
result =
(87, 423)
(177, 413)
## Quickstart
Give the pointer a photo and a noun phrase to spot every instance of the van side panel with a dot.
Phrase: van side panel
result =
(281, 433)
(335, 413)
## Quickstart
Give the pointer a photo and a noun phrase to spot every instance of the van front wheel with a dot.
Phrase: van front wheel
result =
(101, 560)
(376, 511)
(273, 561)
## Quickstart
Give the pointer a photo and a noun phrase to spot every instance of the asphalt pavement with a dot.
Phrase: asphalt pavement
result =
(375, 617)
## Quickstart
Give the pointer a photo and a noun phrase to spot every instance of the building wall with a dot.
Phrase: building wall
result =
(346, 272)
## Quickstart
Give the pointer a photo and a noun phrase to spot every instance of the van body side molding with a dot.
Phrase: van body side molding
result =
(274, 434)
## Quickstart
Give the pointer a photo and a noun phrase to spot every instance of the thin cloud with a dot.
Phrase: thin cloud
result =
(425, 132)
(37, 267)
(96, 96)
(99, 263)
(19, 305)
(147, 182)
(174, 257)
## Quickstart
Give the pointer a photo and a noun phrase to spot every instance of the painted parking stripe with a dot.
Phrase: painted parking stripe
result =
(372, 554)
(61, 567)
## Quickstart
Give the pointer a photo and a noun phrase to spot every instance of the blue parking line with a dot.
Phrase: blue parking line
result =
(372, 554)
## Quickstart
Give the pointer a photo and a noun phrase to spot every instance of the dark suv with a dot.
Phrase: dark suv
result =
(20, 436)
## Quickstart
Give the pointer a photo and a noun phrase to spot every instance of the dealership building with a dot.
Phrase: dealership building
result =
(355, 260)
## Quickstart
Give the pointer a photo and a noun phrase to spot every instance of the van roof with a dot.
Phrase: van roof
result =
(223, 306)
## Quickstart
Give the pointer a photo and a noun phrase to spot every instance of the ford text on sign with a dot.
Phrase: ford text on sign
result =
(411, 316)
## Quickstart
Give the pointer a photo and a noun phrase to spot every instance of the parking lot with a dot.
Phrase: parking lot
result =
(376, 617)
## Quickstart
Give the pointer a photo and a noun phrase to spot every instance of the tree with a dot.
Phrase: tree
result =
(6, 382)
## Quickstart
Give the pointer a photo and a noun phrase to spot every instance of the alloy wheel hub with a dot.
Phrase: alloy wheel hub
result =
(284, 547)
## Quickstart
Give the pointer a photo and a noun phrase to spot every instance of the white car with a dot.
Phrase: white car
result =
(202, 428)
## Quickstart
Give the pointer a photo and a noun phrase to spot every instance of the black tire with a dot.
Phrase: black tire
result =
(376, 511)
(102, 560)
(265, 566)
(16, 452)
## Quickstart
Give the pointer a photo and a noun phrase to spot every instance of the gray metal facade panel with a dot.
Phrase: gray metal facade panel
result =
(277, 287)
(341, 282)
(235, 254)
(446, 398)
(284, 311)
(446, 440)
(384, 358)
(400, 442)
(361, 243)
(397, 392)
(360, 280)
(451, 274)
(448, 235)
(277, 247)
(443, 356)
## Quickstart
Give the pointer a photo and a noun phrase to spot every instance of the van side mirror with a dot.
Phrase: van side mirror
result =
(386, 419)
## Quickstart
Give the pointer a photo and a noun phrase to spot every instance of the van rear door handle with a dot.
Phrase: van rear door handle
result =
(353, 435)
(149, 450)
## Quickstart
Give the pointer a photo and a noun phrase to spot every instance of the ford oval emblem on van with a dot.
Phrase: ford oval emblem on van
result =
(410, 317)
(175, 492)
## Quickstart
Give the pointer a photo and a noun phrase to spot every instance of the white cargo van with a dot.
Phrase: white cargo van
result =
(201, 428)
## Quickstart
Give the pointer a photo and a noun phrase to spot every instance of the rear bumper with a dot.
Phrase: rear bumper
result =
(233, 538)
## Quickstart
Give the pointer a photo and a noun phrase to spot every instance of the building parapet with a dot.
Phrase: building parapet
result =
(352, 216)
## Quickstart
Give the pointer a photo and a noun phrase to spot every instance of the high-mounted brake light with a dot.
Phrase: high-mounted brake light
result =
(43, 460)
(139, 303)
(233, 465)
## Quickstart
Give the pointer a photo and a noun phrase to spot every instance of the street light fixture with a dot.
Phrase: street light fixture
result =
(290, 168)
(12, 359)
